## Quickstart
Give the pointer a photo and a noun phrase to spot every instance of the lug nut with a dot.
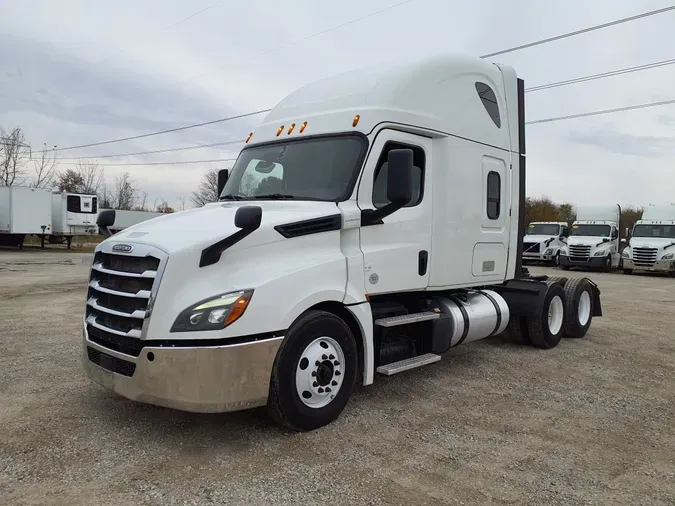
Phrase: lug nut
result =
(337, 373)
(315, 384)
(320, 390)
(317, 363)
(313, 373)
(328, 389)
(334, 383)
(324, 357)
(336, 363)
(331, 357)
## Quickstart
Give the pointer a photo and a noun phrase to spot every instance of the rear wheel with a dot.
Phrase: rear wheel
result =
(517, 329)
(314, 372)
(578, 306)
(545, 329)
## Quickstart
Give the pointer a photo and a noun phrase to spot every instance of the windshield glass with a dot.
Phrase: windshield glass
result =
(590, 230)
(660, 231)
(311, 169)
(543, 229)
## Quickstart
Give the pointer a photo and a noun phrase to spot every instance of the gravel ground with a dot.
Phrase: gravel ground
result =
(589, 422)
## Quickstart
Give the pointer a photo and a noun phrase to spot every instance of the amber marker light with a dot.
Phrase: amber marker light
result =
(290, 128)
(281, 129)
(356, 120)
(303, 126)
(249, 137)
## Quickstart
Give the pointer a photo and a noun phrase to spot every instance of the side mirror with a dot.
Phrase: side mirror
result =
(399, 177)
(624, 241)
(223, 174)
(104, 220)
(629, 232)
(615, 234)
(248, 218)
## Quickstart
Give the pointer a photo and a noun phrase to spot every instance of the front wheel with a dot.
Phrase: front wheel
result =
(607, 267)
(555, 262)
(628, 271)
(314, 372)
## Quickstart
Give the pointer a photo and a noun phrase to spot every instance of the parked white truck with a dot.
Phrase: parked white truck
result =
(72, 214)
(373, 222)
(652, 242)
(24, 211)
(593, 242)
(544, 240)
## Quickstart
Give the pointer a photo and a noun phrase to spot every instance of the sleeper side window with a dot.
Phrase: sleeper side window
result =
(489, 100)
(381, 173)
(494, 190)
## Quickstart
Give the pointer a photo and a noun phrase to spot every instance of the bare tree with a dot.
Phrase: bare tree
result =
(92, 176)
(44, 167)
(163, 207)
(142, 202)
(207, 191)
(125, 192)
(13, 154)
(181, 203)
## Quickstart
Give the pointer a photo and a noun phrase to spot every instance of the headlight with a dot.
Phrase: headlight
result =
(625, 254)
(563, 252)
(548, 251)
(668, 256)
(600, 253)
(213, 313)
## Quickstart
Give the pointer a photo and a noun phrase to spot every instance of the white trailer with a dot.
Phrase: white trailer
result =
(72, 214)
(593, 242)
(372, 223)
(24, 211)
(652, 242)
(126, 219)
(544, 240)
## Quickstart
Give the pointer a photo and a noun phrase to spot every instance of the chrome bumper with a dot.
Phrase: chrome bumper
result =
(537, 257)
(659, 266)
(210, 379)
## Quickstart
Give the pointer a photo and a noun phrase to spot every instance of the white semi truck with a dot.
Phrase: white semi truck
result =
(544, 240)
(24, 211)
(593, 242)
(652, 242)
(72, 214)
(372, 223)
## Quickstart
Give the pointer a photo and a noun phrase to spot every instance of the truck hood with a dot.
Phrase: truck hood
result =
(651, 242)
(582, 240)
(537, 238)
(196, 229)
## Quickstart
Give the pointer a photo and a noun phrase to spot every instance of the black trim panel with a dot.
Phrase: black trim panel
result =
(211, 255)
(521, 179)
(311, 226)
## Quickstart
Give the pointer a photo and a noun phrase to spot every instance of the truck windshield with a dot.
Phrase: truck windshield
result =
(543, 229)
(590, 230)
(323, 168)
(659, 231)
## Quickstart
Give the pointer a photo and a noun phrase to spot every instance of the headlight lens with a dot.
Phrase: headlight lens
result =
(549, 251)
(214, 313)
(668, 256)
(625, 254)
(600, 253)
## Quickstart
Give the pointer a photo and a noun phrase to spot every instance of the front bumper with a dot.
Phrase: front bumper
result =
(206, 379)
(659, 266)
(588, 263)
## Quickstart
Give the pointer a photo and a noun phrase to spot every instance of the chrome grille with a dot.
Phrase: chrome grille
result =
(580, 252)
(644, 257)
(120, 295)
(531, 247)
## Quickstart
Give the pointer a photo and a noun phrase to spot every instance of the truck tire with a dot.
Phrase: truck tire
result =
(607, 265)
(313, 373)
(555, 261)
(578, 307)
(565, 267)
(545, 329)
(628, 271)
(517, 329)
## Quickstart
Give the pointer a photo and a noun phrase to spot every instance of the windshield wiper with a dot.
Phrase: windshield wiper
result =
(274, 196)
(229, 196)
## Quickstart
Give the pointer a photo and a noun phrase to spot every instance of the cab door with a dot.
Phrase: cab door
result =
(397, 250)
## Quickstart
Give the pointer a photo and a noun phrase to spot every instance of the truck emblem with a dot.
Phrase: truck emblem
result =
(374, 278)
(123, 248)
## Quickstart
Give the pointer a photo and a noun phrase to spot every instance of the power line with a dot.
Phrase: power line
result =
(157, 163)
(602, 75)
(123, 139)
(579, 32)
(183, 148)
(604, 111)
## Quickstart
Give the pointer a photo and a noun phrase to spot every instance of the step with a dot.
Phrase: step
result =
(404, 319)
(408, 363)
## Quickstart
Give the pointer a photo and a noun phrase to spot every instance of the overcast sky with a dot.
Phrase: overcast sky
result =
(80, 71)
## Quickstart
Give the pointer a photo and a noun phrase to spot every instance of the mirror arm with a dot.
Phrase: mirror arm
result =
(374, 216)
